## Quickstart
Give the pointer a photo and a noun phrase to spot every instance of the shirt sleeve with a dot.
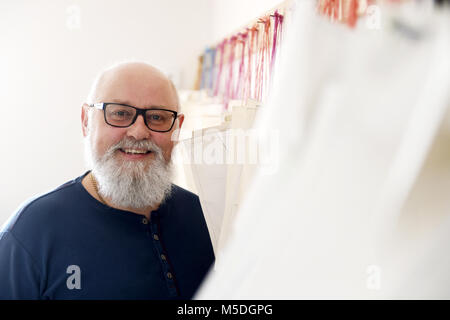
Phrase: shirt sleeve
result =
(19, 274)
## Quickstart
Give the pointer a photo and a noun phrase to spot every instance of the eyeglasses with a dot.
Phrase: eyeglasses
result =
(122, 116)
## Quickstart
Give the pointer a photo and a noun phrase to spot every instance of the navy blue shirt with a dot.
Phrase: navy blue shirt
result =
(67, 245)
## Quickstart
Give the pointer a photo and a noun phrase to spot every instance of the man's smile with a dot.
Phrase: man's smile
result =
(135, 154)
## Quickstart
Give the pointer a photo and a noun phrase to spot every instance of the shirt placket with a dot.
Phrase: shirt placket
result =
(168, 273)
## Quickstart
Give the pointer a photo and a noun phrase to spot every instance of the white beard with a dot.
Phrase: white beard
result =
(130, 184)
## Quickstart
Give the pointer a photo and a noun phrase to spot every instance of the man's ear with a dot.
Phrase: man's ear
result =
(176, 132)
(84, 119)
(180, 120)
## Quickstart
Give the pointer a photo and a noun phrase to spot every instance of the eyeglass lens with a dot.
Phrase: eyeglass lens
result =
(122, 116)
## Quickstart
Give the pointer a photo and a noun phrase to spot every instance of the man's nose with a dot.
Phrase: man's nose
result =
(138, 129)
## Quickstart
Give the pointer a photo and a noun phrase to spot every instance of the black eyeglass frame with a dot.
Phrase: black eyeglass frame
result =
(102, 106)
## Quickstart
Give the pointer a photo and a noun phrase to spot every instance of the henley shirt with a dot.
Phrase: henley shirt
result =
(67, 245)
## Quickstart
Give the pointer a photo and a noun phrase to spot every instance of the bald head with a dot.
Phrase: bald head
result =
(135, 83)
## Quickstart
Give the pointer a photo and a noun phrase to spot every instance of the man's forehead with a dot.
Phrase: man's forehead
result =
(141, 105)
(133, 85)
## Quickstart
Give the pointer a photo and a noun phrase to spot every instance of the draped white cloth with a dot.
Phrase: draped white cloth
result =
(361, 117)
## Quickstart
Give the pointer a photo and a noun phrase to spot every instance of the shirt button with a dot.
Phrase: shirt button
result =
(155, 236)
(169, 275)
(163, 257)
(144, 221)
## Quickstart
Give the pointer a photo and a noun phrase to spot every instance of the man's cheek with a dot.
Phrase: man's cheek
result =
(168, 152)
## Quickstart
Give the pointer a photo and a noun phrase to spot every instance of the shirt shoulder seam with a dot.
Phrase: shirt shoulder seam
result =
(24, 249)
(25, 206)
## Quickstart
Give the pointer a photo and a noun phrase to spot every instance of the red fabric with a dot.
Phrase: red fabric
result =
(353, 13)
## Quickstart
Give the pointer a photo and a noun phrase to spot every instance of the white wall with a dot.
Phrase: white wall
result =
(231, 15)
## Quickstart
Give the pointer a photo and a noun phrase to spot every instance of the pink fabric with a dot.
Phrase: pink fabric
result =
(238, 90)
(263, 55)
(231, 54)
(257, 47)
(276, 34)
(253, 32)
(221, 51)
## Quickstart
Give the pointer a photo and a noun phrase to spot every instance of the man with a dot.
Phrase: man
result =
(122, 230)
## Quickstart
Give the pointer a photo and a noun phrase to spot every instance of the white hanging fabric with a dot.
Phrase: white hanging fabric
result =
(242, 160)
(357, 113)
(218, 168)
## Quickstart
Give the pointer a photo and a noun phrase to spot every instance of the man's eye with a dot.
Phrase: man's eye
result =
(156, 118)
(120, 113)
